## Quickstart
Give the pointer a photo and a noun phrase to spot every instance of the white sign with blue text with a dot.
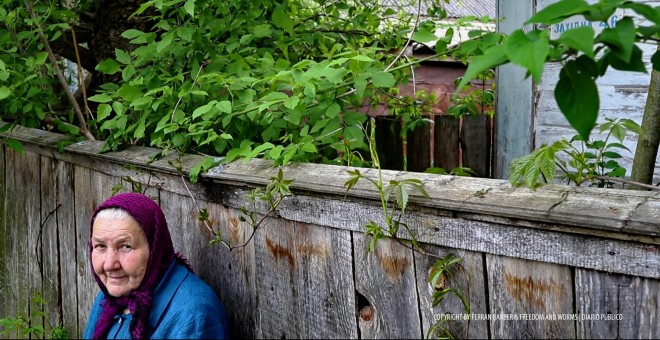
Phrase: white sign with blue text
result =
(578, 21)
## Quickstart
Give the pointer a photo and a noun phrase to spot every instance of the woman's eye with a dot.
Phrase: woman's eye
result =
(99, 246)
(126, 247)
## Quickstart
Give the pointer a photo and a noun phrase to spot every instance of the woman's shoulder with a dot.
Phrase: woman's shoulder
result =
(193, 291)
(194, 310)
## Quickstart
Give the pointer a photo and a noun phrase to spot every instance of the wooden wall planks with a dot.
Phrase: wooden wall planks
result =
(306, 273)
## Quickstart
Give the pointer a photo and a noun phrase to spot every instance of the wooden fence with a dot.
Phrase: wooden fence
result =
(449, 143)
(588, 259)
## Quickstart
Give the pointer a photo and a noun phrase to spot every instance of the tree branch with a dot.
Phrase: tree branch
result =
(626, 181)
(83, 126)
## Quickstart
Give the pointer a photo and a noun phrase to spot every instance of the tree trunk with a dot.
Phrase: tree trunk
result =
(647, 144)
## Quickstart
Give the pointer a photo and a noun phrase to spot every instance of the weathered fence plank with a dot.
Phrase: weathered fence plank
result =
(91, 188)
(233, 274)
(476, 144)
(304, 276)
(66, 239)
(5, 297)
(66, 226)
(389, 144)
(51, 286)
(468, 279)
(446, 142)
(387, 290)
(34, 240)
(519, 288)
(514, 125)
(615, 306)
(609, 212)
(418, 147)
(20, 185)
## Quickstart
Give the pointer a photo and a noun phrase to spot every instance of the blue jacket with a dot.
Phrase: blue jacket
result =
(184, 307)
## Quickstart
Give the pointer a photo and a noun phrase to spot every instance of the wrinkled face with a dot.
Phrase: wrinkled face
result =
(120, 254)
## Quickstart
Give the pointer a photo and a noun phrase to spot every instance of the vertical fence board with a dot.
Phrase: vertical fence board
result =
(389, 144)
(4, 235)
(386, 278)
(418, 148)
(475, 144)
(91, 188)
(304, 281)
(635, 299)
(445, 150)
(50, 249)
(35, 218)
(468, 279)
(520, 287)
(68, 251)
(21, 192)
(12, 222)
(514, 126)
(234, 273)
(230, 274)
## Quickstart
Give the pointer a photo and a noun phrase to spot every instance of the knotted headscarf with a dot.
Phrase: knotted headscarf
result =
(161, 253)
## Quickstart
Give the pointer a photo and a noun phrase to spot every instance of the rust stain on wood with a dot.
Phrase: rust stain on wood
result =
(393, 265)
(279, 252)
(527, 289)
(320, 250)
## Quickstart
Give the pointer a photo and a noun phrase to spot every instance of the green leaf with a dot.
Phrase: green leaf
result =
(224, 106)
(189, 7)
(577, 97)
(361, 57)
(282, 19)
(122, 56)
(100, 98)
(258, 150)
(14, 144)
(292, 102)
(132, 34)
(293, 117)
(383, 79)
(529, 51)
(424, 36)
(4, 92)
(108, 66)
(103, 112)
(636, 63)
(493, 56)
(202, 109)
(612, 154)
(559, 11)
(165, 42)
(620, 39)
(141, 102)
(185, 33)
(361, 82)
(581, 39)
(618, 172)
(309, 148)
(261, 31)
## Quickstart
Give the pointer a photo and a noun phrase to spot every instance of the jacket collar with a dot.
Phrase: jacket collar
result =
(165, 290)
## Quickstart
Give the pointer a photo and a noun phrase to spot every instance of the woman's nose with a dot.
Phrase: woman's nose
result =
(111, 261)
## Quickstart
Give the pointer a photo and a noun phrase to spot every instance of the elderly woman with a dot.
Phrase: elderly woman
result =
(147, 290)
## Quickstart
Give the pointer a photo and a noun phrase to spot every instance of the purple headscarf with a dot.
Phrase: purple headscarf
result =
(161, 253)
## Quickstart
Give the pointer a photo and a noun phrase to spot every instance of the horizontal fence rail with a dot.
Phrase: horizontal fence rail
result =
(556, 262)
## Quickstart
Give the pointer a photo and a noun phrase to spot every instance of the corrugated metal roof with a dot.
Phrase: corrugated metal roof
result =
(455, 8)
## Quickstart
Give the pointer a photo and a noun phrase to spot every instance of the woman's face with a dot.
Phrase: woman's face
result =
(120, 254)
